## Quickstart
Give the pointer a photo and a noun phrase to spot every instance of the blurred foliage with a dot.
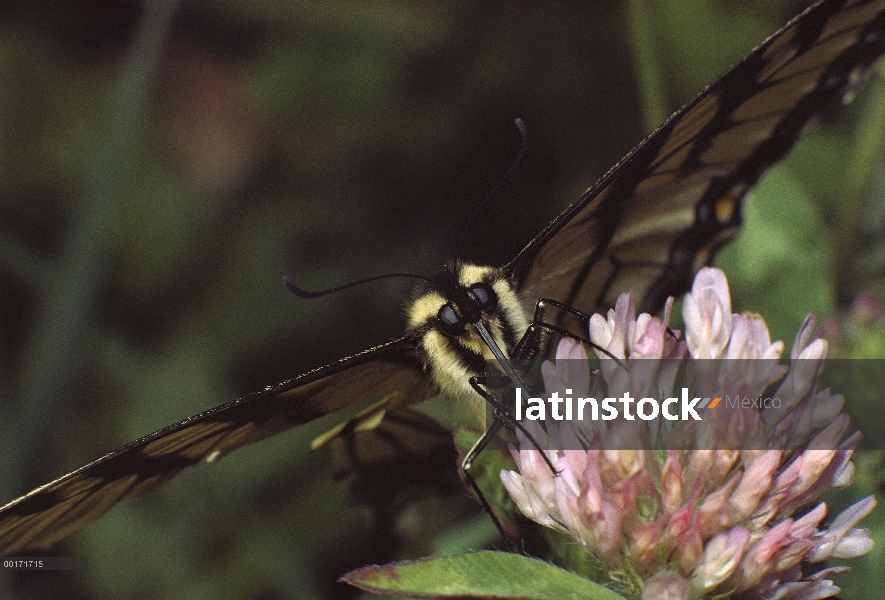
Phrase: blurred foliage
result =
(152, 207)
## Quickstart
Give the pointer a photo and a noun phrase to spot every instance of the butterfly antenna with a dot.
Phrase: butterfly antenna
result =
(524, 135)
(302, 293)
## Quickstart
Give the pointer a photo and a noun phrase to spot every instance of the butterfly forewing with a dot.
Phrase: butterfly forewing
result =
(662, 213)
(49, 513)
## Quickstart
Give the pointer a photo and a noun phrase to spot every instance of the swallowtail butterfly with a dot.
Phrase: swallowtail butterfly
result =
(647, 225)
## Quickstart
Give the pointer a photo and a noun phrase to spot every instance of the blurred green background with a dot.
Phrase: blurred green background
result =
(162, 164)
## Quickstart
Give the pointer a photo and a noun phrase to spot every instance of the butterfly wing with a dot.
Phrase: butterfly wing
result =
(390, 373)
(662, 213)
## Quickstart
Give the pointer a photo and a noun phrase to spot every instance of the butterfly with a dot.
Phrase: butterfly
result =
(648, 224)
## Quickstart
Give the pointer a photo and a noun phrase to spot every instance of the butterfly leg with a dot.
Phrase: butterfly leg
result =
(503, 417)
(511, 543)
(555, 319)
(480, 444)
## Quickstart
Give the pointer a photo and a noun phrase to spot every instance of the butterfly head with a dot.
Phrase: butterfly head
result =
(444, 315)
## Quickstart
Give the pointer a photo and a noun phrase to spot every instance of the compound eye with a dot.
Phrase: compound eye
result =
(485, 296)
(449, 322)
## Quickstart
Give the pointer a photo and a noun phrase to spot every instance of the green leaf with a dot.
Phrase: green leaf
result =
(478, 575)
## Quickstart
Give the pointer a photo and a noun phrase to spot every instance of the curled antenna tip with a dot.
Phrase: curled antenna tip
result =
(523, 132)
(287, 281)
(524, 137)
